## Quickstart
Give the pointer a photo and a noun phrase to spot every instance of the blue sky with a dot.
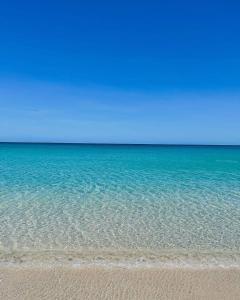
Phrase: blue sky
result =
(126, 71)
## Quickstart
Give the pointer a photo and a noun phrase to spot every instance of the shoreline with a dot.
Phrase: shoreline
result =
(126, 259)
(128, 265)
(98, 282)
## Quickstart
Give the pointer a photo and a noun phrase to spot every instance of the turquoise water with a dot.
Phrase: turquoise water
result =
(112, 201)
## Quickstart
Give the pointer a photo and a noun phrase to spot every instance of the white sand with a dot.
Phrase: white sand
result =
(23, 283)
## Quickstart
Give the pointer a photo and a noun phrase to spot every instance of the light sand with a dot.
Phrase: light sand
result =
(118, 283)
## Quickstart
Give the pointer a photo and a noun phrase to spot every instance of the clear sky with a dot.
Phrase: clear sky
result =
(120, 71)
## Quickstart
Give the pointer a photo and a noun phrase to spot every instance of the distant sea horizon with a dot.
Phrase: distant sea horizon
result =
(122, 144)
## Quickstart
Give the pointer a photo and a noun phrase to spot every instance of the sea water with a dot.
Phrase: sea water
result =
(119, 202)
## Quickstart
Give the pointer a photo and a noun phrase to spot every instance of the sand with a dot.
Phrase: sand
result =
(23, 283)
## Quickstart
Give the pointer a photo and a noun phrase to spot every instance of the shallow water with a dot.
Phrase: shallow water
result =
(110, 201)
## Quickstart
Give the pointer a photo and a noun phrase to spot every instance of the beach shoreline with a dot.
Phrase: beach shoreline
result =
(128, 258)
(115, 282)
(126, 222)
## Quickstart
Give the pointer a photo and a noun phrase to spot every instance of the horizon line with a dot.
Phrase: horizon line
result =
(123, 144)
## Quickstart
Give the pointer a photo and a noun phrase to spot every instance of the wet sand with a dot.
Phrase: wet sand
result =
(23, 283)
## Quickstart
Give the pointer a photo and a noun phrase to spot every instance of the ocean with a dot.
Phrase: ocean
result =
(119, 203)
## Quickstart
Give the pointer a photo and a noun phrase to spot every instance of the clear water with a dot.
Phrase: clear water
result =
(119, 200)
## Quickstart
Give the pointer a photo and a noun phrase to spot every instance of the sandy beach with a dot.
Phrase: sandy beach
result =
(23, 283)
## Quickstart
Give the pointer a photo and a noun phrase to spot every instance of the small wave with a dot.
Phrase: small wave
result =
(123, 259)
(228, 161)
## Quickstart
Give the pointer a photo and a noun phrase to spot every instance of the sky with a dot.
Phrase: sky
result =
(120, 71)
